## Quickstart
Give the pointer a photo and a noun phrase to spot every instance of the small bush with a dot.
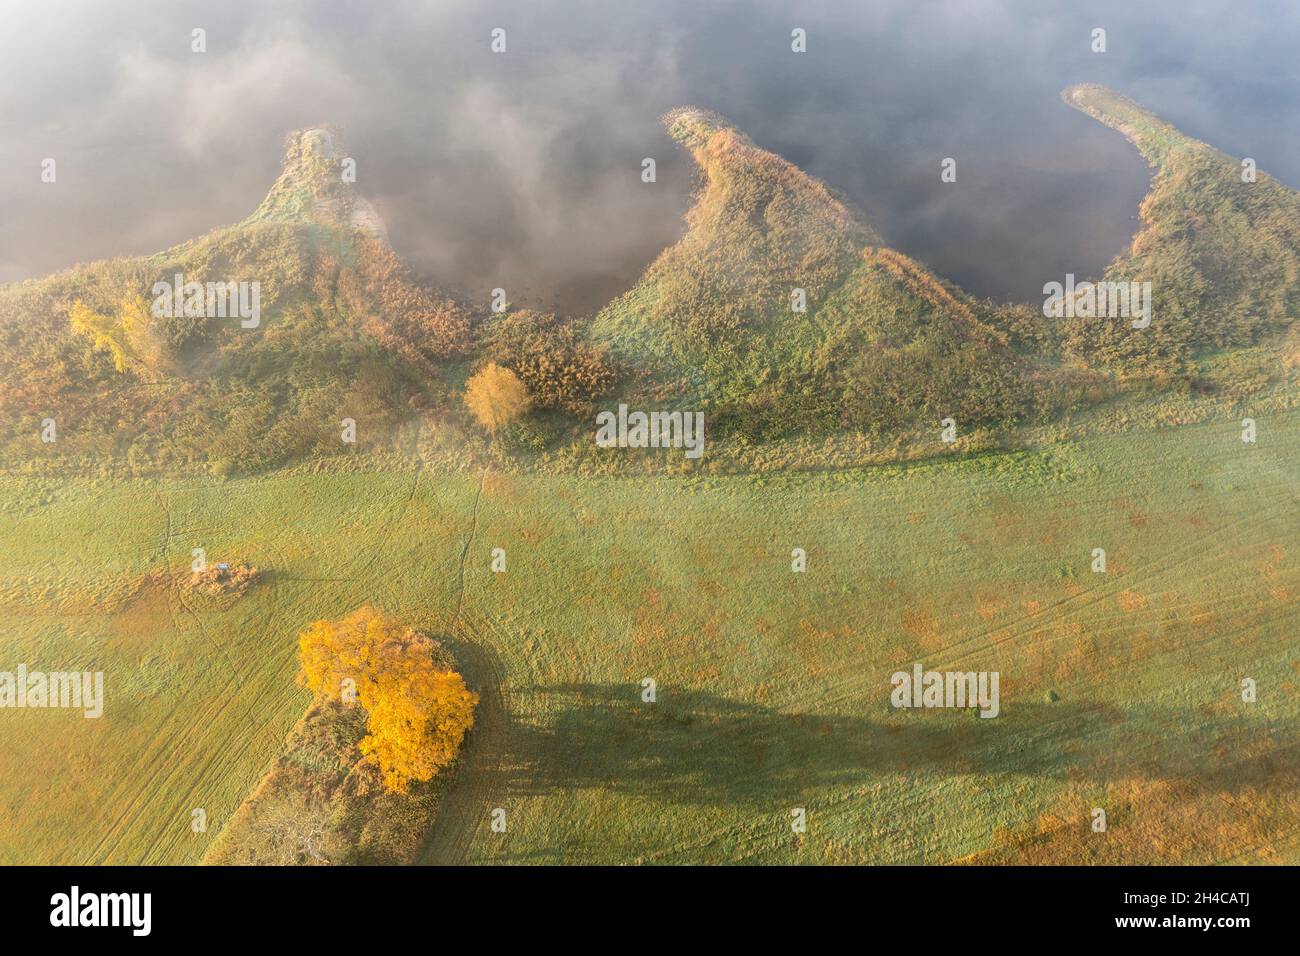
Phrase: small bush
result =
(496, 397)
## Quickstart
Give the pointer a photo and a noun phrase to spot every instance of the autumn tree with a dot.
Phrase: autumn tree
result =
(127, 336)
(496, 396)
(418, 712)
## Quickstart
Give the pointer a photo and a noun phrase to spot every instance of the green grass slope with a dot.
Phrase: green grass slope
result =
(880, 352)
(713, 321)
(345, 332)
(1222, 255)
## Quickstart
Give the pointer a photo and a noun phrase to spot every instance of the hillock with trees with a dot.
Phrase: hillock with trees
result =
(780, 313)
(358, 780)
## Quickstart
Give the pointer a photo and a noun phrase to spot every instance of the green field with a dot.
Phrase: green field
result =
(1119, 690)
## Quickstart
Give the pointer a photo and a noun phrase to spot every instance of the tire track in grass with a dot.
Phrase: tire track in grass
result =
(1011, 632)
(1017, 842)
(266, 663)
(227, 746)
(464, 551)
(188, 739)
(479, 770)
(283, 608)
(112, 836)
(392, 524)
(222, 699)
(230, 742)
(1088, 598)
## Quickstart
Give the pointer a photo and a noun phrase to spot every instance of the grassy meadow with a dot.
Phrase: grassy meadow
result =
(1118, 690)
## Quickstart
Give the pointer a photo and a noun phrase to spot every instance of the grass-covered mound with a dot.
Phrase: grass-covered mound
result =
(321, 804)
(1222, 254)
(780, 314)
(344, 332)
(780, 310)
(360, 777)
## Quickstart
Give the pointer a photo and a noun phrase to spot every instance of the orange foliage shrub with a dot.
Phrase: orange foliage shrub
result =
(403, 315)
(496, 396)
(418, 713)
(559, 369)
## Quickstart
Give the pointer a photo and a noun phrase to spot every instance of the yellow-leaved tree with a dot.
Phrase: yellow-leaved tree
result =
(496, 396)
(418, 713)
(104, 332)
(127, 337)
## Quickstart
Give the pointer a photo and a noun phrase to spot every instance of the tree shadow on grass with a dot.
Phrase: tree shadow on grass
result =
(696, 748)
(475, 783)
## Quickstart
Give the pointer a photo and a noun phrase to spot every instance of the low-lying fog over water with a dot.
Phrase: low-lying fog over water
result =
(522, 169)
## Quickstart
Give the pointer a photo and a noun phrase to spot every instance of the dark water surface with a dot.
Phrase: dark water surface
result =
(523, 169)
